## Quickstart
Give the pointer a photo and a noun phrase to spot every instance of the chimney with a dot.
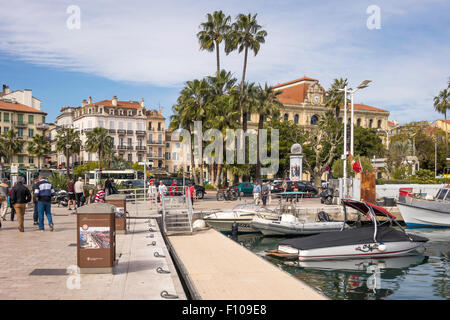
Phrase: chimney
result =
(83, 103)
(28, 97)
(114, 101)
(142, 102)
(90, 100)
(6, 89)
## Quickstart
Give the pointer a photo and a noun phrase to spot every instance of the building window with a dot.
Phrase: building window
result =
(30, 132)
(20, 118)
(130, 157)
(6, 117)
(30, 119)
(167, 155)
(358, 122)
(370, 123)
(120, 141)
(20, 132)
(130, 142)
(120, 112)
(249, 116)
(159, 126)
(296, 118)
(140, 157)
(111, 111)
(160, 138)
(286, 117)
(314, 120)
(111, 124)
(30, 160)
(159, 152)
(5, 129)
(129, 113)
(379, 124)
(150, 125)
(100, 123)
(130, 125)
(175, 168)
(120, 125)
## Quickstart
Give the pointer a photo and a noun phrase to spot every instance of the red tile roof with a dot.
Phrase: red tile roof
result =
(366, 107)
(294, 95)
(294, 81)
(17, 107)
(152, 114)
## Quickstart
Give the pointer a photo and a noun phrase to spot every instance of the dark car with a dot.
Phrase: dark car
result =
(245, 188)
(295, 185)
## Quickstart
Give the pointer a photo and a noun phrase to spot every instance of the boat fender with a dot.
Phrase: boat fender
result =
(382, 247)
(234, 228)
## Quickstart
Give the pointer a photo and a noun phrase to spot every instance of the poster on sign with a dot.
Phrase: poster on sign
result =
(295, 170)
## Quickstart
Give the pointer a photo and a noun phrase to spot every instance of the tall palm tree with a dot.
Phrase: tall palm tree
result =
(39, 146)
(100, 142)
(11, 145)
(213, 32)
(268, 106)
(441, 105)
(222, 83)
(245, 34)
(65, 137)
(335, 98)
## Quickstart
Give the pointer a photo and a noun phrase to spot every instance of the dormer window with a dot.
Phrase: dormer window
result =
(111, 111)
(120, 112)
(129, 113)
(90, 110)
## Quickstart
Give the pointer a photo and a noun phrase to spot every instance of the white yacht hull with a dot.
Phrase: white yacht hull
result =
(423, 217)
(353, 251)
(273, 228)
(224, 225)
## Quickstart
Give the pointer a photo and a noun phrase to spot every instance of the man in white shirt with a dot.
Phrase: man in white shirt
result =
(79, 191)
(162, 189)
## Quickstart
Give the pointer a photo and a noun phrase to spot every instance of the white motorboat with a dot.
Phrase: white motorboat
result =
(433, 213)
(242, 215)
(288, 224)
(377, 240)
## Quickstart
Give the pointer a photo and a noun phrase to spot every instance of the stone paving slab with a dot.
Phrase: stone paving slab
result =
(134, 277)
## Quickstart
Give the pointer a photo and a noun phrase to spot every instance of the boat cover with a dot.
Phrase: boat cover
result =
(361, 235)
(363, 208)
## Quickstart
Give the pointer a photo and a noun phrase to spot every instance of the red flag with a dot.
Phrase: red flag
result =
(356, 166)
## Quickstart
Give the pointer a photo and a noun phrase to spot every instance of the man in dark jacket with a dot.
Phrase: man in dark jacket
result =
(35, 207)
(20, 196)
(44, 192)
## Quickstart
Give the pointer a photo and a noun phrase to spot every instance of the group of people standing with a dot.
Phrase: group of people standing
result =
(20, 196)
(162, 191)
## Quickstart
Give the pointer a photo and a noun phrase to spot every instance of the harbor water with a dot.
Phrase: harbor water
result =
(423, 274)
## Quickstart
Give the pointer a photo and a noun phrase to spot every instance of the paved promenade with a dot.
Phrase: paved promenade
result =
(24, 255)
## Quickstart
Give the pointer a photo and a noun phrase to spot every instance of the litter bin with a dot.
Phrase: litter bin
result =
(119, 201)
(96, 242)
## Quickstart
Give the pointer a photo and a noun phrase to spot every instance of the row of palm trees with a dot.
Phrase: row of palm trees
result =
(67, 141)
(441, 105)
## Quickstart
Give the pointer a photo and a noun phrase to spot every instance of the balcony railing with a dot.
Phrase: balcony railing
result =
(141, 148)
(42, 126)
(19, 123)
(121, 147)
(155, 142)
(129, 131)
(129, 147)
(140, 132)
(155, 156)
(121, 131)
(112, 130)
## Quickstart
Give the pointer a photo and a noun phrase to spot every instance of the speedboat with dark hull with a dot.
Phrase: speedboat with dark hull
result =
(377, 240)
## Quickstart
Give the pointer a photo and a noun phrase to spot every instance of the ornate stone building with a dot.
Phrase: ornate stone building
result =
(304, 104)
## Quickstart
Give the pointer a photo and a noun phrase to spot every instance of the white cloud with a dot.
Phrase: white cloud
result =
(154, 42)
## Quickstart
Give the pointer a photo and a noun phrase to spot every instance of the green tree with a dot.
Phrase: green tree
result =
(39, 146)
(64, 138)
(10, 144)
(334, 97)
(267, 107)
(100, 142)
(441, 105)
(367, 142)
(213, 32)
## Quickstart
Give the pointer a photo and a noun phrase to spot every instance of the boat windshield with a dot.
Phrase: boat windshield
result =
(442, 193)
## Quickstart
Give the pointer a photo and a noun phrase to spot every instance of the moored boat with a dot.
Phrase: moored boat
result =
(378, 240)
(288, 224)
(433, 213)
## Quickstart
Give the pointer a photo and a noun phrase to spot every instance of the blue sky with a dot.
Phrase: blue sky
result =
(148, 49)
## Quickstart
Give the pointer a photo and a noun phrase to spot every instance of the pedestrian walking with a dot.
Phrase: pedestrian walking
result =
(44, 192)
(265, 193)
(257, 193)
(173, 188)
(100, 195)
(13, 211)
(190, 192)
(79, 191)
(20, 196)
(35, 205)
(162, 190)
(152, 192)
(4, 191)
(108, 187)
(113, 187)
(71, 192)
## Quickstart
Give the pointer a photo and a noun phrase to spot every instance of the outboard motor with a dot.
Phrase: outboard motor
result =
(234, 229)
(323, 216)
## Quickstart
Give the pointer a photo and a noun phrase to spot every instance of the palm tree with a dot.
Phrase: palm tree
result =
(267, 107)
(214, 31)
(441, 105)
(10, 144)
(39, 146)
(68, 137)
(100, 142)
(246, 34)
(335, 98)
(222, 83)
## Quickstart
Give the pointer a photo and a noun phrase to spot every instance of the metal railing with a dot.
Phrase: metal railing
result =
(179, 202)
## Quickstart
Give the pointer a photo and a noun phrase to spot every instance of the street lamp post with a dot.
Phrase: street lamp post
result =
(362, 85)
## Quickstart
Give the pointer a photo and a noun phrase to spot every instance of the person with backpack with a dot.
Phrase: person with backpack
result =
(20, 196)
(44, 192)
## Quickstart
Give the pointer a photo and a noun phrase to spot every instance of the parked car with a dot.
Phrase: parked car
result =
(246, 188)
